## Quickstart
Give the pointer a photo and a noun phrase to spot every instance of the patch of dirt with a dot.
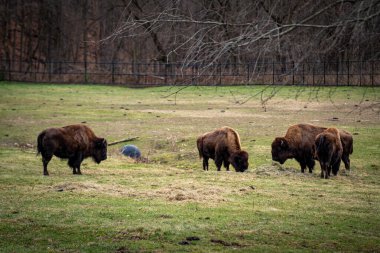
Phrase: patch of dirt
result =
(227, 244)
(276, 170)
(122, 250)
(74, 186)
(115, 190)
(211, 113)
(191, 192)
(184, 191)
(135, 234)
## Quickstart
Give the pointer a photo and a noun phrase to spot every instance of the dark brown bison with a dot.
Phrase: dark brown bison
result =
(75, 142)
(348, 147)
(223, 146)
(328, 150)
(298, 144)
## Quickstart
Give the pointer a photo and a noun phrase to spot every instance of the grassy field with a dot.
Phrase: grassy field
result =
(170, 204)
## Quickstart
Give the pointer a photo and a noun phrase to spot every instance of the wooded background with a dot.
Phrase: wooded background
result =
(83, 36)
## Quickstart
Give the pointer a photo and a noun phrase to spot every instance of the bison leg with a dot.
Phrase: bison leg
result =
(78, 161)
(226, 164)
(323, 170)
(335, 167)
(71, 163)
(328, 172)
(302, 163)
(218, 162)
(346, 160)
(205, 163)
(78, 170)
(75, 162)
(303, 167)
(310, 165)
(45, 160)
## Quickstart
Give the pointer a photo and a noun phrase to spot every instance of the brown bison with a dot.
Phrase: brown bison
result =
(223, 146)
(75, 142)
(328, 151)
(298, 144)
(348, 147)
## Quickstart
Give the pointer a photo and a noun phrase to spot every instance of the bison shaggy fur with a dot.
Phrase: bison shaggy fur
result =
(328, 150)
(74, 142)
(348, 147)
(298, 143)
(223, 146)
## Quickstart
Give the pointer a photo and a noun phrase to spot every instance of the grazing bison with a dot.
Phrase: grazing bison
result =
(75, 142)
(347, 144)
(298, 144)
(328, 151)
(222, 145)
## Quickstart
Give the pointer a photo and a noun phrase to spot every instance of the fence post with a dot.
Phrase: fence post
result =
(84, 16)
(85, 71)
(313, 72)
(292, 72)
(303, 73)
(138, 73)
(113, 72)
(337, 73)
(360, 74)
(166, 72)
(272, 72)
(372, 70)
(49, 69)
(9, 69)
(220, 74)
(348, 72)
(324, 73)
(35, 71)
(248, 69)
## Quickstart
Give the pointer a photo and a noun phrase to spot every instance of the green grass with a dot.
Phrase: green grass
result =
(123, 206)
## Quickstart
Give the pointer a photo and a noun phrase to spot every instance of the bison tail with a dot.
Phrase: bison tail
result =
(352, 148)
(200, 147)
(39, 142)
(320, 143)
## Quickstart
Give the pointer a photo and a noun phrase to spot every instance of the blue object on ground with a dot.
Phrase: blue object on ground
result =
(131, 151)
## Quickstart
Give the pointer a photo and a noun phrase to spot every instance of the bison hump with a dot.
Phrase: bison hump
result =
(233, 138)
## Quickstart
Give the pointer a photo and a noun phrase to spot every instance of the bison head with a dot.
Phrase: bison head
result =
(280, 150)
(239, 161)
(100, 150)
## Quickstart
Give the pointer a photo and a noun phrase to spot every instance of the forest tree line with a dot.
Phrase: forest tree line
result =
(35, 32)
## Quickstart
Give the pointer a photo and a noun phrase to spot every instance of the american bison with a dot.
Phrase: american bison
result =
(298, 144)
(74, 142)
(223, 146)
(348, 148)
(328, 151)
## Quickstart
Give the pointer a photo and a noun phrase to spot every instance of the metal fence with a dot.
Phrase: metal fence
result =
(354, 73)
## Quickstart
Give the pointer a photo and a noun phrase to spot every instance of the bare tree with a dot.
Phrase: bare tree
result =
(233, 31)
(203, 36)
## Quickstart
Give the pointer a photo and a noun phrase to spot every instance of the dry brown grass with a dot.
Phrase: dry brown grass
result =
(124, 205)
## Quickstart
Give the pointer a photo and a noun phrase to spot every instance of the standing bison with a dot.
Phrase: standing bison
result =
(298, 144)
(348, 148)
(223, 146)
(74, 142)
(328, 151)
